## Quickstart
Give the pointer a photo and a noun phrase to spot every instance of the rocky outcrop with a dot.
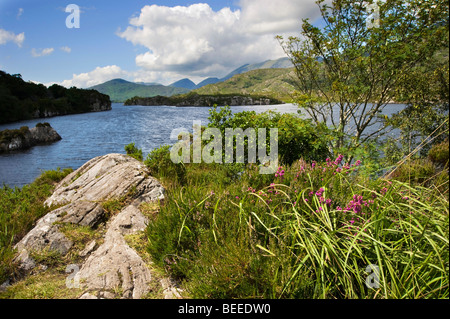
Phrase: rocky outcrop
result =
(24, 138)
(111, 269)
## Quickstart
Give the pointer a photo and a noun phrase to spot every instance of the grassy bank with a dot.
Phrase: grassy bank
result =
(20, 208)
(310, 233)
(312, 230)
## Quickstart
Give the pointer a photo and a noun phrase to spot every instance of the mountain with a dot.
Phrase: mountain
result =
(276, 83)
(119, 90)
(148, 83)
(207, 81)
(282, 63)
(185, 84)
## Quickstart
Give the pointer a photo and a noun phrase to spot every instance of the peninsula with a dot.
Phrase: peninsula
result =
(20, 100)
(194, 99)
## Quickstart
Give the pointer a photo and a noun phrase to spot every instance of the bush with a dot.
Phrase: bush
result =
(161, 166)
(297, 138)
(134, 152)
(45, 124)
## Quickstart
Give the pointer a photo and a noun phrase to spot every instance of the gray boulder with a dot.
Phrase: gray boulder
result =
(113, 269)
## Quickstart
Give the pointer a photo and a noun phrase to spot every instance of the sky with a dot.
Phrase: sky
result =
(153, 41)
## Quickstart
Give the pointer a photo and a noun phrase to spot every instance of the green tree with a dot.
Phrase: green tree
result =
(424, 122)
(349, 69)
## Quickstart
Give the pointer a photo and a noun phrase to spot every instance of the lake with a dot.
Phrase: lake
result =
(85, 136)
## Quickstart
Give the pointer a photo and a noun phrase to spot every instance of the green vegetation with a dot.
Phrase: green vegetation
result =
(338, 219)
(194, 99)
(22, 100)
(348, 72)
(276, 83)
(7, 136)
(308, 231)
(134, 152)
(20, 208)
(120, 90)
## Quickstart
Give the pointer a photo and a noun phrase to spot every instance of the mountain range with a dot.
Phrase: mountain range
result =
(119, 90)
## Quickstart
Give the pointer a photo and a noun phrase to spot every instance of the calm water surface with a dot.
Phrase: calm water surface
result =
(85, 136)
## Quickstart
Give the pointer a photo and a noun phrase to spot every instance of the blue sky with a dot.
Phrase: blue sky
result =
(149, 41)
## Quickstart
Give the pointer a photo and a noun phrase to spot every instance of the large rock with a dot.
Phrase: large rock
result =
(106, 177)
(24, 138)
(114, 266)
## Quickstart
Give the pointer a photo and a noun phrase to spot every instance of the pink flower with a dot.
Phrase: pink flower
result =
(339, 159)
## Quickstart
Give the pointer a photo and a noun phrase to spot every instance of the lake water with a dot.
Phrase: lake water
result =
(85, 136)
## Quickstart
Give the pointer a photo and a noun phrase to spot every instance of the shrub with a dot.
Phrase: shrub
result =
(417, 171)
(161, 166)
(134, 152)
(45, 124)
(297, 138)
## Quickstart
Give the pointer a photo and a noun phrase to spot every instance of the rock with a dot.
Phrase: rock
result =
(24, 138)
(170, 289)
(88, 249)
(106, 177)
(114, 269)
(5, 285)
(114, 264)
(44, 134)
(44, 235)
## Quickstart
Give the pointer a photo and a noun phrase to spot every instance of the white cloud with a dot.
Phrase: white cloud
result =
(276, 17)
(94, 77)
(198, 41)
(8, 36)
(66, 49)
(41, 52)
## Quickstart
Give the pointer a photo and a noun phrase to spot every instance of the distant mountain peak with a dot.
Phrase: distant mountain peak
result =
(185, 84)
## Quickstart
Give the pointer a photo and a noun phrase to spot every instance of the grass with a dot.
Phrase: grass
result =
(20, 208)
(310, 231)
(44, 285)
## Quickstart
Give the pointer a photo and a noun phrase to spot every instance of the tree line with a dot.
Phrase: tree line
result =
(21, 100)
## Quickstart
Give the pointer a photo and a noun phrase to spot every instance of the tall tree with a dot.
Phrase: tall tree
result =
(349, 68)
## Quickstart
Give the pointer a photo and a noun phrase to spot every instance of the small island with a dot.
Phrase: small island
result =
(194, 99)
(24, 138)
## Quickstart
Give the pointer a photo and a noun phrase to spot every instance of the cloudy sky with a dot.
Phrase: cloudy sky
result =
(144, 41)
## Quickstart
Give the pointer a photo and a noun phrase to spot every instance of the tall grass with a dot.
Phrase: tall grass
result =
(20, 208)
(311, 231)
